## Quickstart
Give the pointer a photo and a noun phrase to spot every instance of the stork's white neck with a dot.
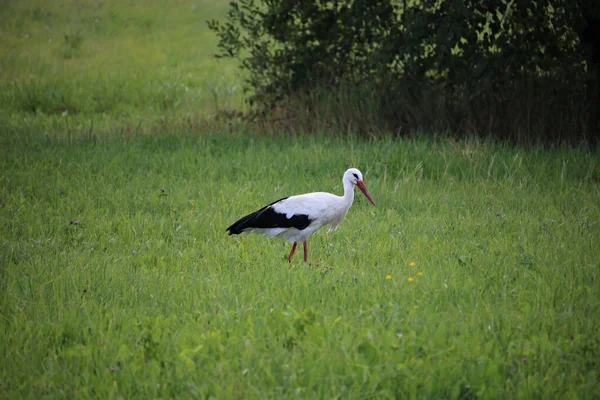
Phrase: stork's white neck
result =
(348, 192)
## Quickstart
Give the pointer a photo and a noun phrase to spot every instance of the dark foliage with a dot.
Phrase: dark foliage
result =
(512, 69)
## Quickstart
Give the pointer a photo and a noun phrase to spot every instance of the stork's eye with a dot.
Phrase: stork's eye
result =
(356, 176)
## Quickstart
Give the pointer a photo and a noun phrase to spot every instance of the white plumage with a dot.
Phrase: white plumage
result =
(295, 218)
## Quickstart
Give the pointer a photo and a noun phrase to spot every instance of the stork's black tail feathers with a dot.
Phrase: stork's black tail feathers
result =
(254, 220)
(267, 217)
(241, 224)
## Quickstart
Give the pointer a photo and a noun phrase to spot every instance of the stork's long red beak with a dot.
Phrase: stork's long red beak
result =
(363, 188)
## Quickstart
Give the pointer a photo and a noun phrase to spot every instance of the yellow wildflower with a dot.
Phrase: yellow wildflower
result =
(410, 279)
(388, 277)
(419, 273)
(412, 264)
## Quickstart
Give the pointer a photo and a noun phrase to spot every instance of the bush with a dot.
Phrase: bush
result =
(512, 69)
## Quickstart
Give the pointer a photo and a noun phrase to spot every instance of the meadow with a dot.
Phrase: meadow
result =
(477, 275)
(113, 62)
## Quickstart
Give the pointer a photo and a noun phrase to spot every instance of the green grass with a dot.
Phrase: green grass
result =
(103, 104)
(508, 304)
(131, 61)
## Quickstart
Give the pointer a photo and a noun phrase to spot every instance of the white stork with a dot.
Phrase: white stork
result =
(295, 218)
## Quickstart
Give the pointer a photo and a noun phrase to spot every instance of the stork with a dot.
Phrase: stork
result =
(295, 218)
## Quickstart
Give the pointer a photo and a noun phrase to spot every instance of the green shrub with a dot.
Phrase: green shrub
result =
(509, 69)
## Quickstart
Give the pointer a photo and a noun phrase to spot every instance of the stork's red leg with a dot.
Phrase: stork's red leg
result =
(305, 251)
(292, 252)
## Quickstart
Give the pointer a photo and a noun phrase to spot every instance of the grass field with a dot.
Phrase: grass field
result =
(113, 61)
(503, 298)
(476, 276)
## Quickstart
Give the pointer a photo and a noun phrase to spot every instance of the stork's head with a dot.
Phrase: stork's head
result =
(355, 177)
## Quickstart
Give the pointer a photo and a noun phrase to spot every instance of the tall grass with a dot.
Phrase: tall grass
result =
(532, 110)
(476, 276)
(128, 60)
(119, 280)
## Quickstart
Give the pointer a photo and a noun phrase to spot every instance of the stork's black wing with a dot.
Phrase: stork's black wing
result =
(267, 217)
